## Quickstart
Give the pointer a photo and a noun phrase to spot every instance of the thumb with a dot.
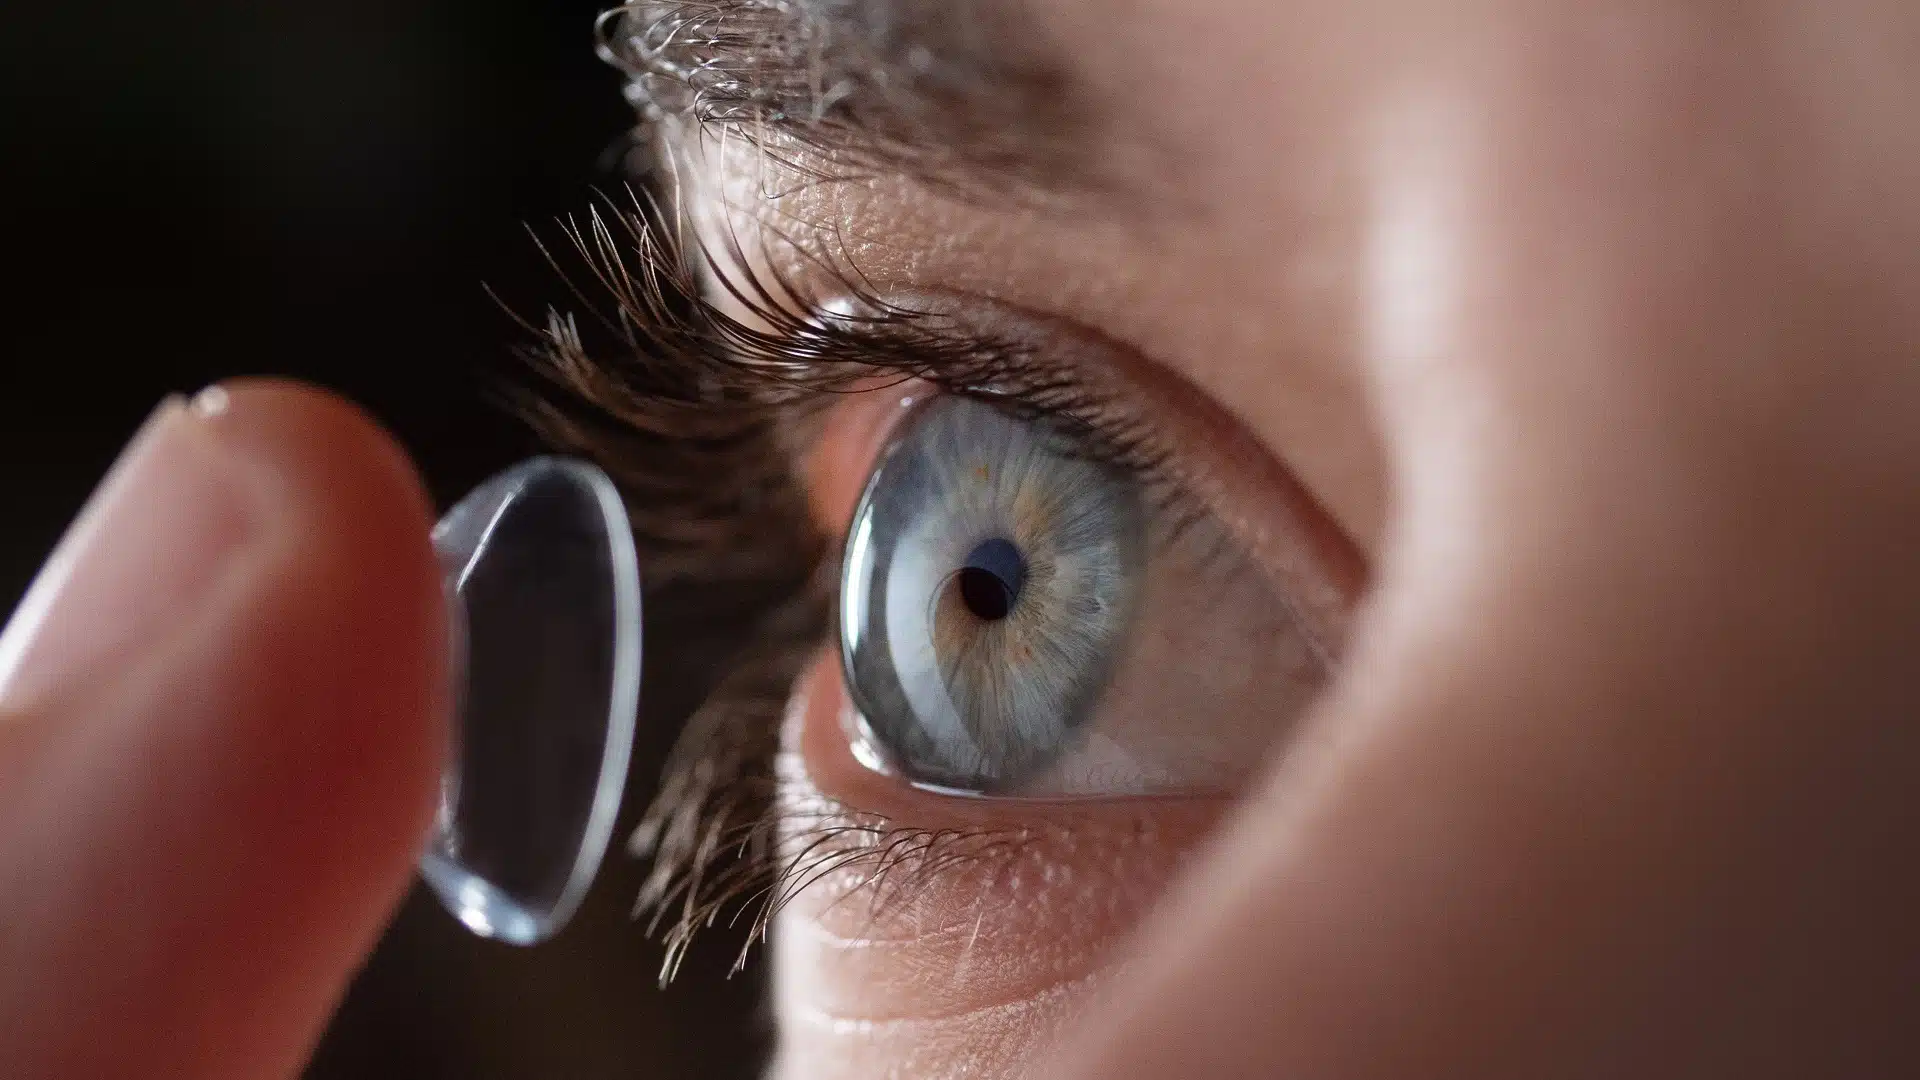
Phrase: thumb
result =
(220, 726)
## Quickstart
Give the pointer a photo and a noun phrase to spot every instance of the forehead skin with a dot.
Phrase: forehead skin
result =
(1227, 251)
(1308, 188)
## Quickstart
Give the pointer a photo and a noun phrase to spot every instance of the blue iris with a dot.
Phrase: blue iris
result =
(989, 583)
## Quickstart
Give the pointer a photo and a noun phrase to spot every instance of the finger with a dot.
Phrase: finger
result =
(220, 726)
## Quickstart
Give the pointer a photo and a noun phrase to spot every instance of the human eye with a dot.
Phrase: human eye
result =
(1023, 612)
(1034, 604)
(1039, 595)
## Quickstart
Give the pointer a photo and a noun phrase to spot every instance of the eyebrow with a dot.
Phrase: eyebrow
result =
(958, 94)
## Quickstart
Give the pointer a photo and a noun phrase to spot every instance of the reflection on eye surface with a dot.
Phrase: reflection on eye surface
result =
(989, 580)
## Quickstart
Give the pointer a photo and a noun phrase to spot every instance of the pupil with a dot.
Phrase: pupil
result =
(985, 595)
(990, 582)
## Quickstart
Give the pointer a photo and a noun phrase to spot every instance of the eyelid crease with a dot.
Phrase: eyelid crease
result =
(806, 1013)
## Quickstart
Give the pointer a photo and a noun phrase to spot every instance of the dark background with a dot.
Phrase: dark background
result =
(198, 190)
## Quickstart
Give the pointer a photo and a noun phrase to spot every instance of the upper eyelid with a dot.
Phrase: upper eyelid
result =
(839, 336)
(1252, 474)
(1192, 470)
(1109, 432)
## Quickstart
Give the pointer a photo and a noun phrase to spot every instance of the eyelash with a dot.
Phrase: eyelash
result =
(697, 416)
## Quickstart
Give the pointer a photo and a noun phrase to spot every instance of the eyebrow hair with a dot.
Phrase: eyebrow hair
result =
(962, 94)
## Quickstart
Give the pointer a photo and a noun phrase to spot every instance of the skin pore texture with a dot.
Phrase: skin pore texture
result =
(1590, 331)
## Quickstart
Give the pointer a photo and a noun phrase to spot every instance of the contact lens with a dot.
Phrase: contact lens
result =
(544, 596)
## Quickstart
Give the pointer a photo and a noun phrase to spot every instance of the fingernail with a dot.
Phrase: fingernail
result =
(147, 550)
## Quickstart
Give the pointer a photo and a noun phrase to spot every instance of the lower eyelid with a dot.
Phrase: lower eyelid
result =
(816, 735)
(1046, 890)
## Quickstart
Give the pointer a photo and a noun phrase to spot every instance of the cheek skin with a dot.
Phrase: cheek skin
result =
(967, 954)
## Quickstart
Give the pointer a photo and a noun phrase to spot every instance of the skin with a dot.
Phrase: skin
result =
(1593, 330)
(208, 815)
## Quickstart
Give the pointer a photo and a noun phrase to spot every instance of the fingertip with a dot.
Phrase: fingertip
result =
(351, 611)
(231, 801)
(344, 481)
(345, 639)
(324, 745)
